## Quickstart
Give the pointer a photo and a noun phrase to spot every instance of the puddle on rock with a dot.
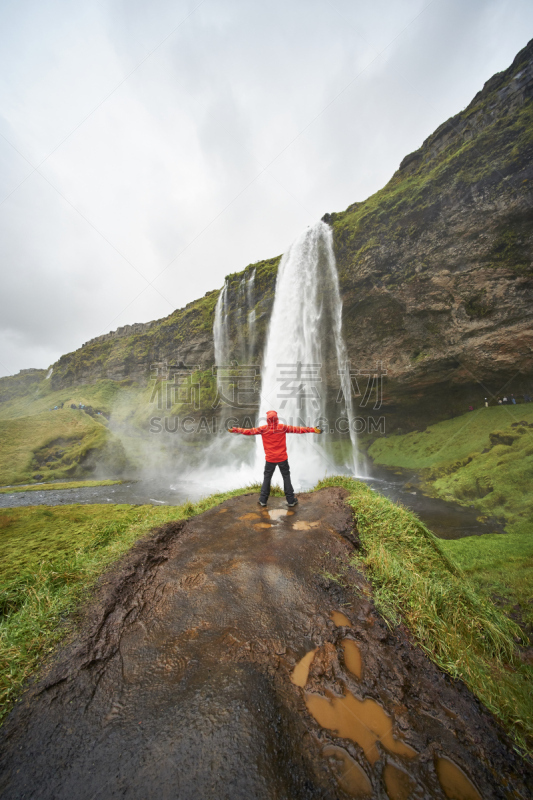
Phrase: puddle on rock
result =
(340, 619)
(262, 525)
(455, 784)
(362, 721)
(350, 776)
(301, 670)
(305, 526)
(277, 513)
(352, 657)
(222, 510)
(399, 785)
(252, 515)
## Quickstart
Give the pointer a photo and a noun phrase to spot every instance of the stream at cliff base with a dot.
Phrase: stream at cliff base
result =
(446, 520)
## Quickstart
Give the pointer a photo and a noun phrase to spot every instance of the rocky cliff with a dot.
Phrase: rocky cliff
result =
(436, 268)
(435, 272)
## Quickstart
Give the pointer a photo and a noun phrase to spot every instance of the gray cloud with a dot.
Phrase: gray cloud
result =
(221, 138)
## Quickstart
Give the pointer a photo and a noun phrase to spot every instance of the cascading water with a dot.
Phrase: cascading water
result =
(220, 328)
(234, 344)
(304, 362)
(305, 356)
(250, 298)
(243, 325)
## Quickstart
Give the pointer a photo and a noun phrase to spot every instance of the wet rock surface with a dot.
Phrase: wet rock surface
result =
(182, 684)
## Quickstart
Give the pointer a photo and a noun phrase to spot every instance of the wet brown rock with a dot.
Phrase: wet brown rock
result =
(179, 682)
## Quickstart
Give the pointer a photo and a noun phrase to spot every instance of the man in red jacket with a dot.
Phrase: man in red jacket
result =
(274, 442)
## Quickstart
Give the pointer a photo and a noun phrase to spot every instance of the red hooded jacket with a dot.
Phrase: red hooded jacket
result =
(274, 439)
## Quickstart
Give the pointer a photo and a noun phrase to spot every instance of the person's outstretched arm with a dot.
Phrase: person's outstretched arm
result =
(245, 431)
(294, 429)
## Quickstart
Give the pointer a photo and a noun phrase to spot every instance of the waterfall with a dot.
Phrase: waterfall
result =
(250, 298)
(305, 355)
(304, 364)
(243, 326)
(220, 329)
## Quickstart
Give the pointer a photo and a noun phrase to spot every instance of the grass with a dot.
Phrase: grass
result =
(49, 560)
(55, 445)
(447, 443)
(483, 460)
(32, 487)
(501, 566)
(36, 398)
(417, 581)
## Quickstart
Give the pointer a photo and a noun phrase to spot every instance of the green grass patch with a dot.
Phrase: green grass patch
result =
(450, 441)
(416, 582)
(49, 560)
(32, 487)
(39, 397)
(482, 459)
(55, 445)
(501, 566)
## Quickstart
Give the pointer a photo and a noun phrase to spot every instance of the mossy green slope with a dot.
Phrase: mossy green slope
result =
(482, 459)
(56, 444)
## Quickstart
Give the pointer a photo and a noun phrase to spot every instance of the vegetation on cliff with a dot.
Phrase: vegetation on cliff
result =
(435, 268)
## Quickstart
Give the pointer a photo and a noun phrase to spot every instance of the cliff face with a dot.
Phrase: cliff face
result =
(436, 268)
(435, 272)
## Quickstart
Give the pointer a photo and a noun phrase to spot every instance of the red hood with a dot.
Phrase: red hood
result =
(272, 418)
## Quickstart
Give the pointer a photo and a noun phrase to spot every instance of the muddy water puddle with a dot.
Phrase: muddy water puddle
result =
(363, 721)
(301, 670)
(340, 619)
(279, 513)
(398, 783)
(367, 724)
(350, 776)
(455, 784)
(352, 657)
(303, 525)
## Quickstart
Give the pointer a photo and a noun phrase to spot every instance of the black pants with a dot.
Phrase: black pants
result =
(287, 485)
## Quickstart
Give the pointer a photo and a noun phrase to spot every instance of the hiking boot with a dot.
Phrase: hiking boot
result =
(293, 503)
(260, 503)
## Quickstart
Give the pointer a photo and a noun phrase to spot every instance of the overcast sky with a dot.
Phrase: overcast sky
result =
(149, 148)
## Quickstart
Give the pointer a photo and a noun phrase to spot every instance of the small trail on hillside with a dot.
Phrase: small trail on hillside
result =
(222, 659)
